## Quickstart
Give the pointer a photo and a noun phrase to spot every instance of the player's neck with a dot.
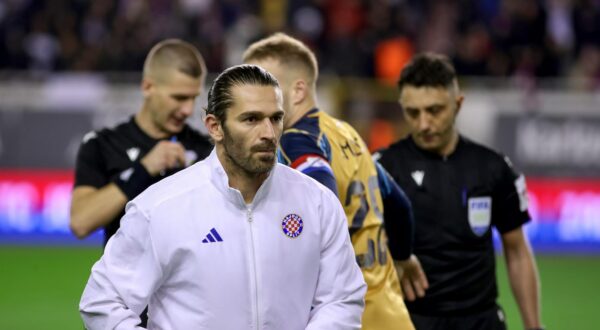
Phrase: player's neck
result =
(144, 122)
(247, 185)
(450, 147)
(298, 111)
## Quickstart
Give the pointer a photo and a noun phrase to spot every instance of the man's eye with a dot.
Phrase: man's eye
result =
(180, 98)
(250, 119)
(277, 118)
(412, 114)
(435, 110)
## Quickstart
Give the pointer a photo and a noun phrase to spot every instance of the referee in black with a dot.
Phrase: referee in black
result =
(115, 164)
(459, 190)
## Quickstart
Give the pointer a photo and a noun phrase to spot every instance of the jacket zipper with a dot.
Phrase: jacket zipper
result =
(249, 217)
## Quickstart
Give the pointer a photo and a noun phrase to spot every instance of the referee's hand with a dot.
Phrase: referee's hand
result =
(164, 156)
(412, 278)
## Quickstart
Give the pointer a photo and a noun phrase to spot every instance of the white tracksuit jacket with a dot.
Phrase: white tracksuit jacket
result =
(200, 258)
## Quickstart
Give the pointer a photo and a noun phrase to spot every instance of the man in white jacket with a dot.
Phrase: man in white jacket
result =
(235, 241)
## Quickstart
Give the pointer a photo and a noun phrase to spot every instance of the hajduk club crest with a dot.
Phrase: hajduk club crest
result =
(292, 225)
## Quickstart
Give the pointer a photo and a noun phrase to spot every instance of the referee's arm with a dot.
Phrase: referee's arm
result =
(94, 205)
(95, 201)
(92, 208)
(523, 276)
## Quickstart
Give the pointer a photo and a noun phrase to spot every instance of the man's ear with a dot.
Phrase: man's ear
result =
(459, 102)
(299, 91)
(147, 86)
(214, 128)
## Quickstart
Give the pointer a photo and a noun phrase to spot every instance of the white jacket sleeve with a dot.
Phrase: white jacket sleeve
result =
(339, 297)
(124, 278)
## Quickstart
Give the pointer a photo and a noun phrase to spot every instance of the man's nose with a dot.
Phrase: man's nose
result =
(267, 129)
(187, 107)
(424, 122)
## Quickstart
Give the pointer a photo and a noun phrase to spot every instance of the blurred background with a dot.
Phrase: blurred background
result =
(530, 72)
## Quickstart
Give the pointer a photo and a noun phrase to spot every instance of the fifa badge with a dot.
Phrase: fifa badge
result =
(480, 214)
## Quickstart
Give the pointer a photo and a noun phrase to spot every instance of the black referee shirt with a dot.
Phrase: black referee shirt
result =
(104, 155)
(456, 199)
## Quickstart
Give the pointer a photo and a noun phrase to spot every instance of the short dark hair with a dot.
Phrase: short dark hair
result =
(428, 70)
(219, 95)
(175, 54)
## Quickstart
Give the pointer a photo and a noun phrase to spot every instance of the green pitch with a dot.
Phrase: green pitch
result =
(41, 287)
(570, 293)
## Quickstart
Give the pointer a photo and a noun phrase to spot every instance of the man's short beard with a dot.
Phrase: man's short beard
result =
(248, 165)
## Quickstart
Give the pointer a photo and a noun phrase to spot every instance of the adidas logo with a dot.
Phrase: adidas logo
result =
(212, 237)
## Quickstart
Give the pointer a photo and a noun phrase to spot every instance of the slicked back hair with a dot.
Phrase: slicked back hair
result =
(287, 51)
(220, 97)
(428, 70)
(174, 54)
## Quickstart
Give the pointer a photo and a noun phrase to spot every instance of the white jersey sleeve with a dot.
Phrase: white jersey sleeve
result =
(122, 281)
(339, 297)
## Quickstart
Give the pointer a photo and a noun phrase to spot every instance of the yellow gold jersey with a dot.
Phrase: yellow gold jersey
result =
(332, 152)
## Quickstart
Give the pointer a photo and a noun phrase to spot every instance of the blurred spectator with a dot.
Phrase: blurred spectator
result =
(586, 23)
(40, 45)
(525, 39)
(585, 73)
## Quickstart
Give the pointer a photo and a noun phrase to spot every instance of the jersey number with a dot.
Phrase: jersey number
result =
(376, 251)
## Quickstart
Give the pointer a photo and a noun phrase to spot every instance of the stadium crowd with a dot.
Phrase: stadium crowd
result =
(506, 38)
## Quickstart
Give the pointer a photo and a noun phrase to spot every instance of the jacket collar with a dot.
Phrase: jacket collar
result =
(220, 180)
